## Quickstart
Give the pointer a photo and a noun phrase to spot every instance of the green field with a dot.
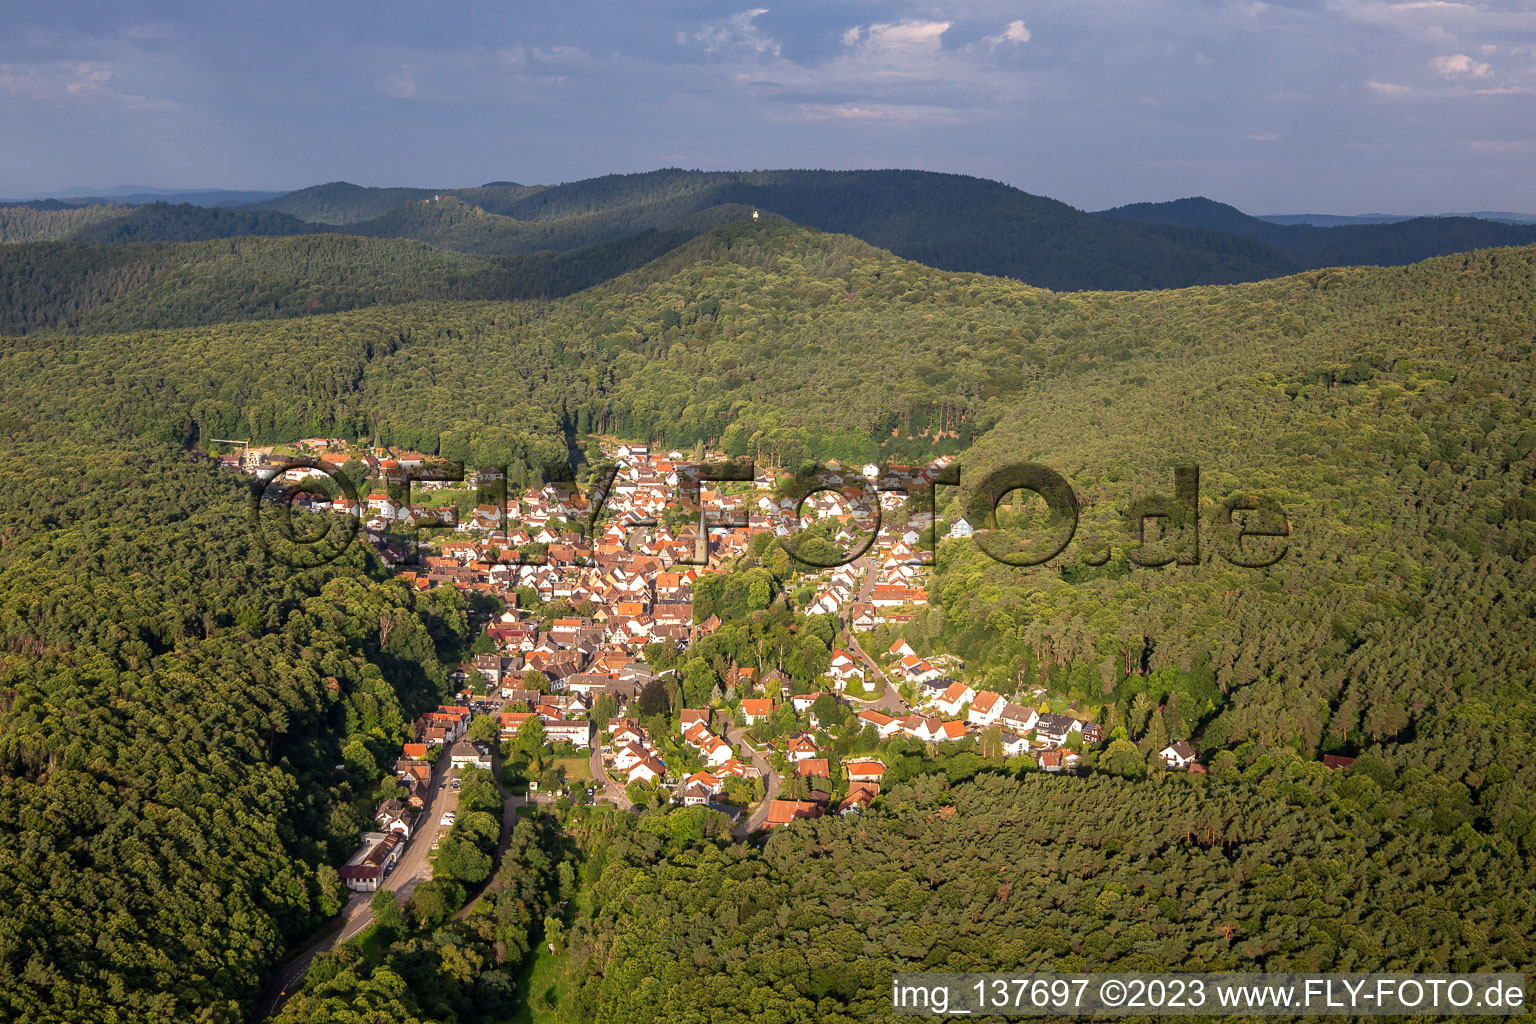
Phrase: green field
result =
(545, 983)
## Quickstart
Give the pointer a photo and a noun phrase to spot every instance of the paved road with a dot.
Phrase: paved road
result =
(612, 790)
(509, 806)
(413, 867)
(890, 702)
(735, 736)
(871, 569)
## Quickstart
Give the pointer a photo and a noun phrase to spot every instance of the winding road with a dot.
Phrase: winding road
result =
(509, 807)
(736, 736)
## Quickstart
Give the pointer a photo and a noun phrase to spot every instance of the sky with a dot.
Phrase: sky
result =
(1315, 106)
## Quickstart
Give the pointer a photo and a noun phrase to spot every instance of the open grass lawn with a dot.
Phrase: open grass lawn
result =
(543, 986)
(576, 768)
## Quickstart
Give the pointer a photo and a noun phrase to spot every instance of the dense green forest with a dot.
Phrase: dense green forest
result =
(948, 221)
(100, 287)
(341, 202)
(49, 222)
(169, 727)
(173, 706)
(1277, 864)
(866, 354)
(150, 222)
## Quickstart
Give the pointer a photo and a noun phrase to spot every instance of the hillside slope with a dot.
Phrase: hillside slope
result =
(1385, 411)
(100, 287)
(341, 202)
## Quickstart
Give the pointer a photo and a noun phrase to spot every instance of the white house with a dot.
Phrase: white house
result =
(470, 755)
(918, 670)
(801, 747)
(372, 861)
(1018, 719)
(1014, 745)
(628, 756)
(986, 708)
(1178, 754)
(956, 696)
(844, 668)
(756, 709)
(1055, 729)
(648, 770)
(698, 788)
(922, 728)
(884, 724)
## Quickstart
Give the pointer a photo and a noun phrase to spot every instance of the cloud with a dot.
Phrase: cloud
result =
(1389, 88)
(402, 84)
(891, 72)
(1503, 145)
(66, 82)
(1262, 137)
(1458, 65)
(736, 34)
(854, 112)
(1014, 33)
(898, 40)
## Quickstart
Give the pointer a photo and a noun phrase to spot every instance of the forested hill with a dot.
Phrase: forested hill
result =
(341, 202)
(955, 222)
(1386, 411)
(948, 221)
(101, 287)
(944, 220)
(173, 708)
(169, 725)
(867, 354)
(1404, 241)
(150, 222)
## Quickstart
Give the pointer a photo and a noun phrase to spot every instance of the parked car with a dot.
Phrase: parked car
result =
(446, 819)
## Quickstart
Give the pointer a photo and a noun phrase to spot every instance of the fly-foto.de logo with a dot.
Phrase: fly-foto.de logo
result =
(1247, 530)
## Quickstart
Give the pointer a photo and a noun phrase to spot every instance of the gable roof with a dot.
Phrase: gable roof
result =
(814, 767)
(955, 693)
(782, 812)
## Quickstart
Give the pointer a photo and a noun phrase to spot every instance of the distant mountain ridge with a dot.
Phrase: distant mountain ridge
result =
(1330, 220)
(1380, 243)
(138, 195)
(947, 221)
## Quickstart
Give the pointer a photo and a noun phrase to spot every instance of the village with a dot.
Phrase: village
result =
(585, 628)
